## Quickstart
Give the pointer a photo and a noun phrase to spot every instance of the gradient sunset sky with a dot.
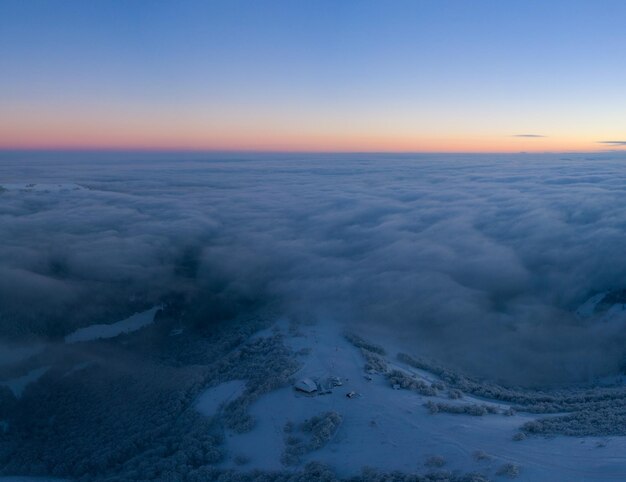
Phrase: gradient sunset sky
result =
(444, 76)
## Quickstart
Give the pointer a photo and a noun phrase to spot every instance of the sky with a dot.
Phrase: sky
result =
(402, 76)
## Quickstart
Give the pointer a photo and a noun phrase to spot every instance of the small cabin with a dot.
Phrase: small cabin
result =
(306, 385)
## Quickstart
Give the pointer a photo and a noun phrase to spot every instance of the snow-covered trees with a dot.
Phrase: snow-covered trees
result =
(480, 455)
(508, 470)
(373, 354)
(129, 414)
(460, 409)
(317, 432)
(455, 394)
(359, 342)
(373, 362)
(318, 472)
(373, 475)
(403, 380)
(590, 411)
(267, 365)
(435, 461)
(322, 428)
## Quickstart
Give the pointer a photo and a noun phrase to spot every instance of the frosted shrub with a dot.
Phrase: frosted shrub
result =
(464, 409)
(373, 362)
(295, 448)
(435, 461)
(508, 470)
(438, 385)
(322, 428)
(318, 472)
(319, 430)
(609, 421)
(397, 377)
(369, 474)
(455, 394)
(359, 342)
(481, 455)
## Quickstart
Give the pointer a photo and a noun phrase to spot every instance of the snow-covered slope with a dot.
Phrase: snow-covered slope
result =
(391, 429)
(94, 332)
(211, 399)
(607, 307)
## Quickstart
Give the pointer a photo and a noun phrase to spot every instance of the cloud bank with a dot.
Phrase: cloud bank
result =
(613, 143)
(478, 261)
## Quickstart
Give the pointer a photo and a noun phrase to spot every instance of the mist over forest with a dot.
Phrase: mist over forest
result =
(478, 261)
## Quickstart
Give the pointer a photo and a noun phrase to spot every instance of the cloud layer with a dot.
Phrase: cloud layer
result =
(478, 261)
(613, 143)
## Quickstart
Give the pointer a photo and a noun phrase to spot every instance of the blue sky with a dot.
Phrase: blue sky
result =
(302, 75)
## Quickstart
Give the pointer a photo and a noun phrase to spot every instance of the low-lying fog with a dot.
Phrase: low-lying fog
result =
(477, 261)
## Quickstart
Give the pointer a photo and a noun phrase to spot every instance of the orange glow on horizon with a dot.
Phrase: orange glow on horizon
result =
(76, 127)
(199, 140)
(344, 147)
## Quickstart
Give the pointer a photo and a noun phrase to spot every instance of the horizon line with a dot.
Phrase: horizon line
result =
(191, 150)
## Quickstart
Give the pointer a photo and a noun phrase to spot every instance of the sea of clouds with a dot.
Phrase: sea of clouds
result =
(476, 260)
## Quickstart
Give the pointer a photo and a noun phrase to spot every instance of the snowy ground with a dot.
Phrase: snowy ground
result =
(382, 427)
(94, 332)
(391, 429)
(607, 310)
(209, 401)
